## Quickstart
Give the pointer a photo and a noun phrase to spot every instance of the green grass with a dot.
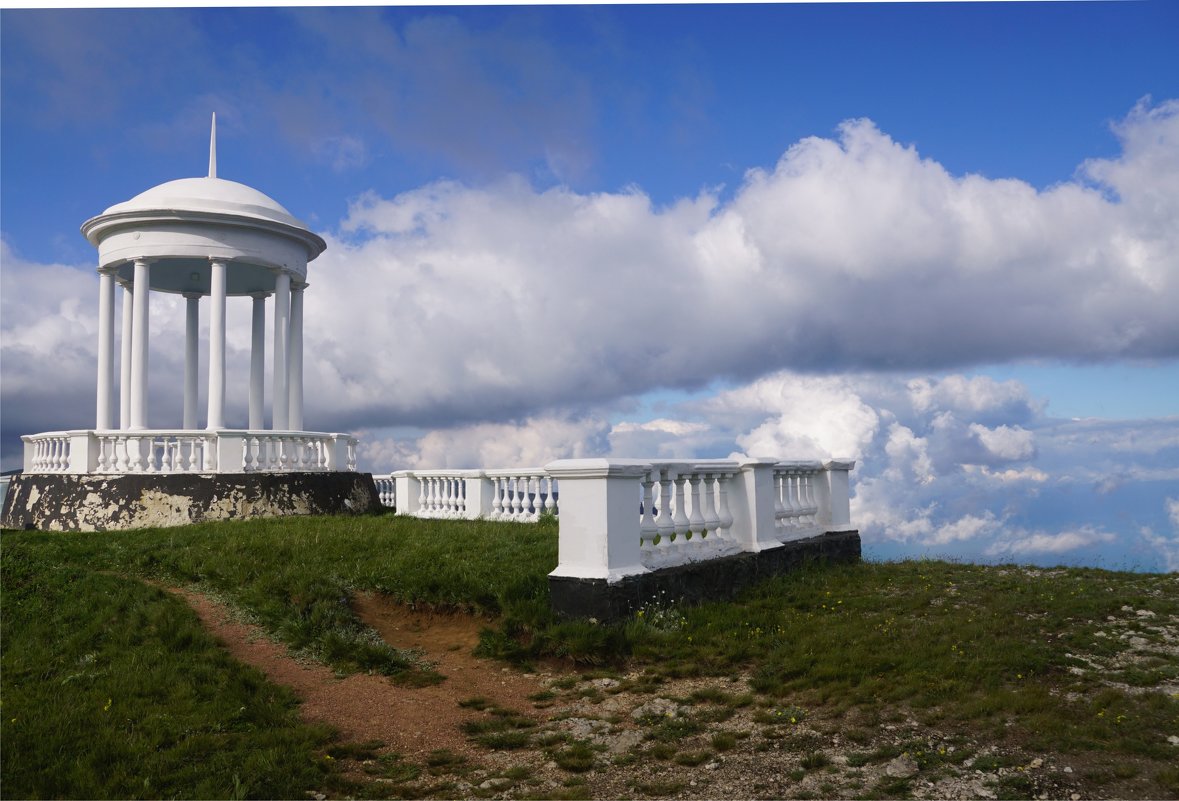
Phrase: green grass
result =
(111, 689)
(977, 650)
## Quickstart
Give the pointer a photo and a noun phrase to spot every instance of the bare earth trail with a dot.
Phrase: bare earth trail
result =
(410, 720)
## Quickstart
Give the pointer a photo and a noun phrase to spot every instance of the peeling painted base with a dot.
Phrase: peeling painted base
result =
(106, 503)
(714, 580)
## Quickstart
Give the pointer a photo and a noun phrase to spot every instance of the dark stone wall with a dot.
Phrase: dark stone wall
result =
(61, 502)
(716, 579)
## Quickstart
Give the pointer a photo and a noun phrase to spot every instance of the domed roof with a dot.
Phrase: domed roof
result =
(214, 195)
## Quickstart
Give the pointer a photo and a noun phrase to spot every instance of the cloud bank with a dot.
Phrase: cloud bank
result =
(851, 253)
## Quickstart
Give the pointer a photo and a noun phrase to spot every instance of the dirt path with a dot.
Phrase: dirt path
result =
(411, 720)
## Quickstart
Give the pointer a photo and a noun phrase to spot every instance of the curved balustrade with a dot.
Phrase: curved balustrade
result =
(47, 453)
(155, 451)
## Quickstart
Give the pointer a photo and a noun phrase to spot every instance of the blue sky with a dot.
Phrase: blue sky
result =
(940, 238)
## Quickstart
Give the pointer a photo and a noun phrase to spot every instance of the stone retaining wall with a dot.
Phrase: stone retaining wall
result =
(64, 502)
(714, 579)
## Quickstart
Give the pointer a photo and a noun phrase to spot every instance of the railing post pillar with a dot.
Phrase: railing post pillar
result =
(231, 451)
(833, 494)
(751, 503)
(338, 453)
(479, 495)
(599, 528)
(83, 454)
(407, 488)
(30, 452)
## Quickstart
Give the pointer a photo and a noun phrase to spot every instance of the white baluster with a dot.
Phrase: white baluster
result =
(432, 502)
(532, 499)
(812, 507)
(724, 513)
(680, 517)
(550, 503)
(664, 522)
(526, 501)
(796, 502)
(696, 521)
(497, 504)
(648, 531)
(711, 519)
(781, 502)
(517, 504)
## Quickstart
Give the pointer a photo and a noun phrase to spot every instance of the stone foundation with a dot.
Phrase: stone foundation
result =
(65, 502)
(716, 579)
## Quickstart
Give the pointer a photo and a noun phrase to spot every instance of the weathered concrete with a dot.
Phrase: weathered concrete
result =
(63, 502)
(715, 579)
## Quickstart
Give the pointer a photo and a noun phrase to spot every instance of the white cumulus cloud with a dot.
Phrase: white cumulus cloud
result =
(1038, 542)
(1010, 443)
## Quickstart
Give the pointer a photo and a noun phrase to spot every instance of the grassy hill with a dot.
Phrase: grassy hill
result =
(110, 688)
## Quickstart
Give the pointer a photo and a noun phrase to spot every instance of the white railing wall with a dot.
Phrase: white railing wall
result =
(386, 490)
(689, 511)
(521, 495)
(620, 517)
(166, 451)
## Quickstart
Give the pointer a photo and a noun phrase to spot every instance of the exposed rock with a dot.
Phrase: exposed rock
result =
(657, 708)
(583, 728)
(624, 741)
(903, 767)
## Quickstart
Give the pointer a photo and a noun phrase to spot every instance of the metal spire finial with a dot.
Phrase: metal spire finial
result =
(213, 148)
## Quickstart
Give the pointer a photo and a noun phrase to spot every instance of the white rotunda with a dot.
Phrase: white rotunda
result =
(209, 240)
(202, 237)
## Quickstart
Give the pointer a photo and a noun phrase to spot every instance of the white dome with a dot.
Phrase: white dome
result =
(215, 195)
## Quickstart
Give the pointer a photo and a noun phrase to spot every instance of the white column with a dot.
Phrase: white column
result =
(216, 415)
(258, 362)
(192, 319)
(296, 360)
(125, 360)
(280, 394)
(106, 350)
(139, 339)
